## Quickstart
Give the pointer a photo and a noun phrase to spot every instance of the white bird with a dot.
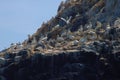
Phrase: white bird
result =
(67, 21)
(60, 39)
(117, 23)
(44, 39)
(89, 26)
(81, 28)
(78, 14)
(108, 27)
(57, 26)
(75, 42)
(34, 41)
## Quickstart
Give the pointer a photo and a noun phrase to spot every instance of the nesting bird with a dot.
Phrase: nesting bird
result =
(71, 37)
(75, 42)
(81, 28)
(83, 39)
(106, 35)
(44, 39)
(78, 14)
(98, 25)
(34, 41)
(60, 39)
(89, 25)
(57, 26)
(92, 35)
(108, 27)
(117, 23)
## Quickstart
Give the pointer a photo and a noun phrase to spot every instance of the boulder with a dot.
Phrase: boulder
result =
(74, 67)
(9, 56)
(17, 59)
(2, 78)
(117, 55)
(24, 54)
(2, 61)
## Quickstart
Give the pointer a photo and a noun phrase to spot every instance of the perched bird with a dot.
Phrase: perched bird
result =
(117, 23)
(75, 42)
(89, 26)
(78, 14)
(60, 39)
(98, 25)
(34, 41)
(81, 28)
(83, 39)
(92, 35)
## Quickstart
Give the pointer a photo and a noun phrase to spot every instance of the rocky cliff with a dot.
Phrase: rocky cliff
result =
(82, 42)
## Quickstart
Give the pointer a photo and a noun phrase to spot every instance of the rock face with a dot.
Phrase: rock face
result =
(82, 42)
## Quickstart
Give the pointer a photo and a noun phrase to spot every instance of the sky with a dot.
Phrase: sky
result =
(18, 18)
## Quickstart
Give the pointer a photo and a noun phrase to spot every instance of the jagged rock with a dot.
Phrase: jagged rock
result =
(24, 54)
(9, 56)
(79, 21)
(2, 61)
(75, 67)
(2, 78)
(71, 11)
